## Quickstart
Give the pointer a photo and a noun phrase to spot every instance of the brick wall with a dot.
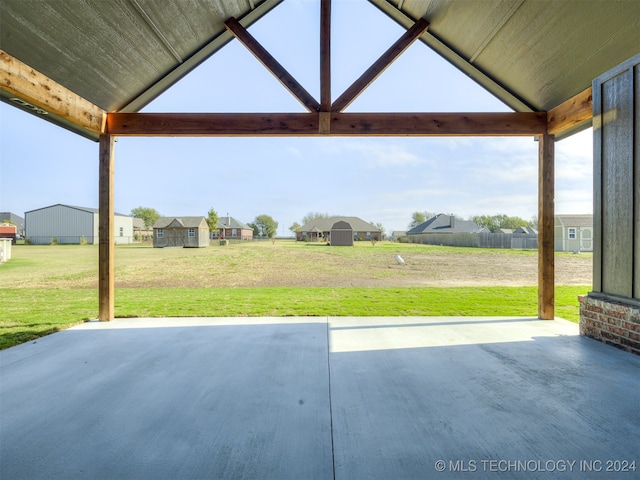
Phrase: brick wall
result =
(610, 322)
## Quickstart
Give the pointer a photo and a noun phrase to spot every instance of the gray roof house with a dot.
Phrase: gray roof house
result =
(231, 229)
(319, 229)
(443, 223)
(180, 232)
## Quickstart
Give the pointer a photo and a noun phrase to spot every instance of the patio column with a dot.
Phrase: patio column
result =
(106, 239)
(546, 265)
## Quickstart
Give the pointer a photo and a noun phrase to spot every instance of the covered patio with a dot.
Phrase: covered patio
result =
(321, 398)
(317, 397)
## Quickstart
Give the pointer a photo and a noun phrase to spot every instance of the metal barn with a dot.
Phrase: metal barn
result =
(66, 224)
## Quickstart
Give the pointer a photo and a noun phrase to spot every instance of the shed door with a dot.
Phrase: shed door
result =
(174, 237)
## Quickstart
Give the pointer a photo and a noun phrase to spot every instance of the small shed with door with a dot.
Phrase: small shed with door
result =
(574, 233)
(190, 232)
(342, 234)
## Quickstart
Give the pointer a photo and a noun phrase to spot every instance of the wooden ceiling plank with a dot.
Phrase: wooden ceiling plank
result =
(35, 90)
(576, 110)
(380, 65)
(335, 124)
(325, 55)
(271, 64)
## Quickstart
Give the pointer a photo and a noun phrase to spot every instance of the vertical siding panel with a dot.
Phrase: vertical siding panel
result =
(636, 182)
(597, 186)
(617, 184)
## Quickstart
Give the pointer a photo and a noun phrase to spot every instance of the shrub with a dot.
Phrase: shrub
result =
(83, 240)
(54, 240)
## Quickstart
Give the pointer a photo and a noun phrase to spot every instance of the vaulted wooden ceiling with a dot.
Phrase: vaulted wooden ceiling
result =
(74, 62)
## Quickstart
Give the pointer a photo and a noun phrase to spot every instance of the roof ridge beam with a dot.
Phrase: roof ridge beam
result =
(380, 65)
(271, 64)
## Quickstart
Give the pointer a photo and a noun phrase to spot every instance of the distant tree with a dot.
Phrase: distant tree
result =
(212, 220)
(266, 225)
(294, 227)
(416, 219)
(420, 217)
(379, 226)
(496, 222)
(255, 228)
(533, 223)
(148, 215)
(312, 216)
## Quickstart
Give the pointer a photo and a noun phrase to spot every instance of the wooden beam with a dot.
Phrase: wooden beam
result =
(574, 111)
(325, 55)
(212, 124)
(33, 90)
(106, 239)
(380, 65)
(271, 64)
(340, 124)
(438, 124)
(546, 251)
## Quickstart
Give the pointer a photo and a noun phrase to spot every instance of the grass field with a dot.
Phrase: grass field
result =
(47, 288)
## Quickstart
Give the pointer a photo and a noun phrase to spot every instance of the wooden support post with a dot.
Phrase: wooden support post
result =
(106, 264)
(546, 265)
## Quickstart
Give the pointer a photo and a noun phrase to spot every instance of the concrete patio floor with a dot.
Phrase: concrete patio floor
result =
(319, 398)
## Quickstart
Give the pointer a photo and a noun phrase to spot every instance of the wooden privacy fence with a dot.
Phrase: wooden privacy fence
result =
(480, 240)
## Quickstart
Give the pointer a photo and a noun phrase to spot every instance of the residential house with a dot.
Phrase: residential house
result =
(443, 223)
(231, 229)
(67, 224)
(573, 233)
(319, 229)
(188, 232)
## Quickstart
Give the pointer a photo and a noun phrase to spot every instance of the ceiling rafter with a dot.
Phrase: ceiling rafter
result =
(380, 65)
(31, 90)
(271, 64)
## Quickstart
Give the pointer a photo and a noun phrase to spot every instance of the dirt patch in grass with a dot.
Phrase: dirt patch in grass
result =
(267, 265)
(288, 264)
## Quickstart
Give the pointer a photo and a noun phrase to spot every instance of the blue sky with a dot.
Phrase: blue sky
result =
(380, 180)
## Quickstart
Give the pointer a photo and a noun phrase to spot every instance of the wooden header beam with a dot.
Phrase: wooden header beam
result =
(338, 124)
(34, 90)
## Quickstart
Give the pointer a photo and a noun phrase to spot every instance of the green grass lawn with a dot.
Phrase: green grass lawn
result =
(47, 289)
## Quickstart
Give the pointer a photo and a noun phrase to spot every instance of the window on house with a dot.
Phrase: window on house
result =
(192, 232)
(160, 232)
(572, 233)
(122, 231)
(234, 232)
(368, 234)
